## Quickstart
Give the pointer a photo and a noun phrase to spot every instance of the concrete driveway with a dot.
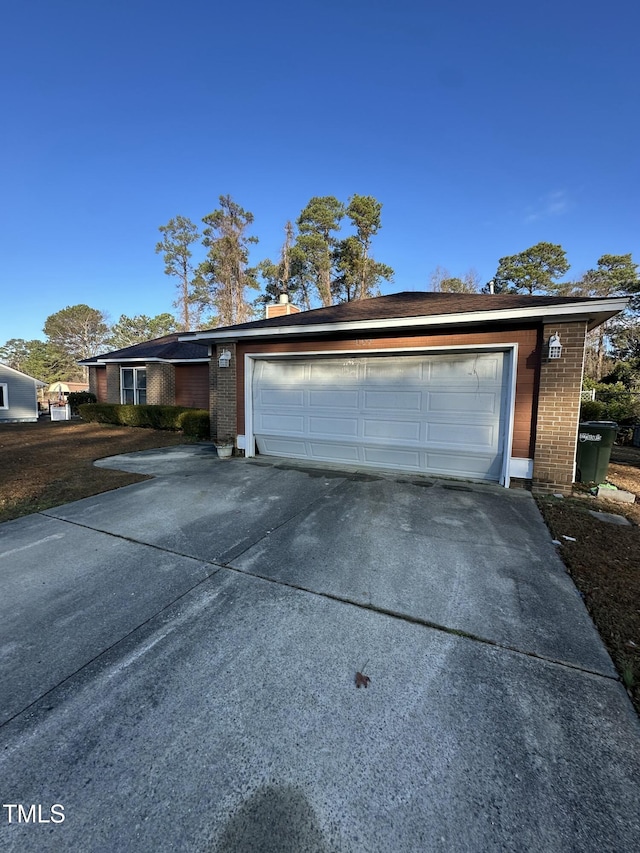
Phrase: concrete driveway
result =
(178, 661)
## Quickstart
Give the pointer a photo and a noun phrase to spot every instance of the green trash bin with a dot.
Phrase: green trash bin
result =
(595, 440)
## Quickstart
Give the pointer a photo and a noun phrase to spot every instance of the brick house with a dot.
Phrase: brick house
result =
(164, 371)
(458, 385)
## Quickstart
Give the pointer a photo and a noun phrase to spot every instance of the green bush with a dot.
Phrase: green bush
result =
(624, 412)
(78, 398)
(592, 410)
(100, 413)
(190, 421)
(195, 422)
(614, 402)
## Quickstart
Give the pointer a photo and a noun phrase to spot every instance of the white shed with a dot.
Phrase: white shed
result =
(18, 396)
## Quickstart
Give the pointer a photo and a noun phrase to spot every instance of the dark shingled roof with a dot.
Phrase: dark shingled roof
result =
(167, 348)
(407, 304)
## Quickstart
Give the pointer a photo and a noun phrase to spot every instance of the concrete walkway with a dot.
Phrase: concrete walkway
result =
(178, 661)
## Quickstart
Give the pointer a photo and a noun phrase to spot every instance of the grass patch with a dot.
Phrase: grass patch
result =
(604, 563)
(49, 463)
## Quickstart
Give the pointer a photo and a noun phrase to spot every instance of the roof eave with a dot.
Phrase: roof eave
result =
(141, 360)
(594, 313)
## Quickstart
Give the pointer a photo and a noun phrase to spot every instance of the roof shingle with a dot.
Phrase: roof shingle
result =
(166, 348)
(406, 304)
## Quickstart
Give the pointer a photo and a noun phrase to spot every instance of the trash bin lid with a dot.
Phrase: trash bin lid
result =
(599, 424)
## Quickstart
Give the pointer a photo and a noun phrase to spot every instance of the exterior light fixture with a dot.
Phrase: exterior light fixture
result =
(224, 359)
(555, 347)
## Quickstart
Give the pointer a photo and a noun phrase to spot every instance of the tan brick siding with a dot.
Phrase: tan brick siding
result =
(558, 409)
(223, 405)
(161, 384)
(113, 383)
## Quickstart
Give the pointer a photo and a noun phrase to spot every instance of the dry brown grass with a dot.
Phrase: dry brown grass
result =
(604, 562)
(51, 462)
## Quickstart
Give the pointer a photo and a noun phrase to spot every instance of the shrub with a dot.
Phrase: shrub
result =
(624, 412)
(191, 421)
(592, 410)
(195, 422)
(614, 402)
(78, 398)
(100, 413)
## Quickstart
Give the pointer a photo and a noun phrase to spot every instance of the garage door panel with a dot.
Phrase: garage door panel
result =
(283, 372)
(331, 398)
(392, 370)
(393, 457)
(404, 401)
(384, 429)
(434, 413)
(272, 445)
(279, 397)
(456, 367)
(337, 452)
(477, 467)
(334, 426)
(458, 401)
(334, 373)
(280, 423)
(469, 436)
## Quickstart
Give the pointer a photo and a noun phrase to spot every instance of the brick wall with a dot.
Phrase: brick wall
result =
(161, 384)
(93, 381)
(222, 400)
(558, 410)
(113, 383)
(280, 309)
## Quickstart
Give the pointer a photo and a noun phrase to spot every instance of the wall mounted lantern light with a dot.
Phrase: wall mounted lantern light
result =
(555, 347)
(224, 359)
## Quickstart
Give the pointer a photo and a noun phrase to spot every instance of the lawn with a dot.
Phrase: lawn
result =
(604, 562)
(49, 463)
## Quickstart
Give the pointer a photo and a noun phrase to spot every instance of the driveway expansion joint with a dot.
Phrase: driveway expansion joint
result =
(133, 541)
(425, 623)
(326, 595)
(120, 639)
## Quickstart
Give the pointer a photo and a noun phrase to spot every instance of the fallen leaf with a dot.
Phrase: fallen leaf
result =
(362, 680)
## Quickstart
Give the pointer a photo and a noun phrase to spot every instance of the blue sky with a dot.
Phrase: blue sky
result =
(483, 128)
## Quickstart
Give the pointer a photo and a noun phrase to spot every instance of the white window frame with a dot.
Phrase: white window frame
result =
(4, 400)
(136, 390)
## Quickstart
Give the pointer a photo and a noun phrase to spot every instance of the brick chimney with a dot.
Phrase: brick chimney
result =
(281, 307)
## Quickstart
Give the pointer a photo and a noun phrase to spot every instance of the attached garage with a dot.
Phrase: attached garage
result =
(444, 413)
(449, 384)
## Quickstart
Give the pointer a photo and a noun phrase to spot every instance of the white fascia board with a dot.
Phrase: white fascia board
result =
(602, 309)
(146, 361)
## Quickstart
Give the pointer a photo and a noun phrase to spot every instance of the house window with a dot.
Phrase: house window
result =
(4, 395)
(133, 385)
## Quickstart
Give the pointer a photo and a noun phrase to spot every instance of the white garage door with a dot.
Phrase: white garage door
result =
(441, 414)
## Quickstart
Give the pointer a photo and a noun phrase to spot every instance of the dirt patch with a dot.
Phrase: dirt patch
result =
(604, 562)
(49, 463)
